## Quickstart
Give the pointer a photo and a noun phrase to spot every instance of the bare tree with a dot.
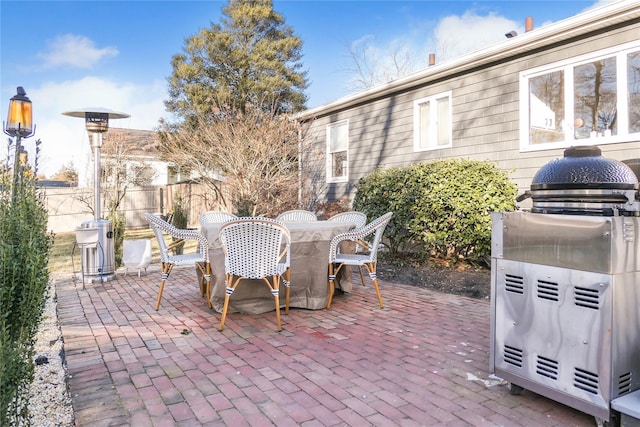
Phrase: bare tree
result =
(122, 167)
(372, 66)
(633, 82)
(67, 172)
(595, 95)
(254, 153)
(125, 163)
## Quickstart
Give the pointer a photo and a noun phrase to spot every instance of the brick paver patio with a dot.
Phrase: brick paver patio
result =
(421, 361)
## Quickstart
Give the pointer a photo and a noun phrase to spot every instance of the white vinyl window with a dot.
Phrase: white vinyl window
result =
(432, 122)
(592, 99)
(337, 151)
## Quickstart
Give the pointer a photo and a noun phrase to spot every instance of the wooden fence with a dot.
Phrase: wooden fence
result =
(67, 210)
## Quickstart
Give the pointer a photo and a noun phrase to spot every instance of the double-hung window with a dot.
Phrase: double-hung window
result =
(592, 99)
(337, 151)
(432, 122)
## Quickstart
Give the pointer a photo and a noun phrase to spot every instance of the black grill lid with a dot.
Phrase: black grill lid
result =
(584, 167)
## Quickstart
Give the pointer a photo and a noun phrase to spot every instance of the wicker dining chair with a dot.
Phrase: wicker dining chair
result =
(357, 218)
(200, 258)
(215, 217)
(338, 259)
(297, 215)
(256, 248)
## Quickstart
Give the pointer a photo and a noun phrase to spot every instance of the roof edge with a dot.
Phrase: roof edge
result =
(621, 10)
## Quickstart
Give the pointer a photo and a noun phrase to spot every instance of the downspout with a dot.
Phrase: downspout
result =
(299, 167)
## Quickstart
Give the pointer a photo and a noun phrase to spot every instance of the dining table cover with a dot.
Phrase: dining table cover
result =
(309, 270)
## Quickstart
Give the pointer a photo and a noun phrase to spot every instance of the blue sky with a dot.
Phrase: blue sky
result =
(117, 54)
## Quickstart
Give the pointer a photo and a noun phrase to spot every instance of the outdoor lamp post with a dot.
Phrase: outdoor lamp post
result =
(19, 125)
(96, 237)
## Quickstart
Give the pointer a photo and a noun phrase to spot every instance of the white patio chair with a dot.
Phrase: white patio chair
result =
(136, 254)
(200, 258)
(256, 248)
(338, 259)
(357, 218)
(215, 217)
(297, 215)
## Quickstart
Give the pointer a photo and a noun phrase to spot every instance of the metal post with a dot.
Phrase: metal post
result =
(96, 143)
(16, 165)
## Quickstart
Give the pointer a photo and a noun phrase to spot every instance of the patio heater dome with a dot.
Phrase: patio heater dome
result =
(96, 118)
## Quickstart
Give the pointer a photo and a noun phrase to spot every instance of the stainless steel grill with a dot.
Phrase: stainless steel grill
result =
(566, 301)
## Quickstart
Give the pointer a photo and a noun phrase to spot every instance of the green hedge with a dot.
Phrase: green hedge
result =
(24, 252)
(442, 209)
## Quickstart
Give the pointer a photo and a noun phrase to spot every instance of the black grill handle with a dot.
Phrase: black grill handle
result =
(523, 196)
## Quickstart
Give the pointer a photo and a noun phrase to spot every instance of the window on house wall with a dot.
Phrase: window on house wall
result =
(176, 174)
(142, 175)
(432, 122)
(337, 151)
(593, 99)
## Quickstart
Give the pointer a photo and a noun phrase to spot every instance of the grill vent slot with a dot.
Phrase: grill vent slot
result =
(547, 367)
(548, 290)
(513, 356)
(585, 380)
(624, 383)
(514, 284)
(588, 298)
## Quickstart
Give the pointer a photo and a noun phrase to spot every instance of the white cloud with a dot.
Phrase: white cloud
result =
(381, 62)
(451, 37)
(458, 35)
(74, 50)
(64, 139)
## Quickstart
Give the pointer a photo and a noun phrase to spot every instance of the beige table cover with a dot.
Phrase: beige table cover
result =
(309, 269)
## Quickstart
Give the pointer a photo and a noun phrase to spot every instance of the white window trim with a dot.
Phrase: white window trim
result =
(328, 171)
(416, 122)
(567, 65)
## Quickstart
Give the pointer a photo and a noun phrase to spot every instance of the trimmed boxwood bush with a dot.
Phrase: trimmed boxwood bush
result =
(442, 209)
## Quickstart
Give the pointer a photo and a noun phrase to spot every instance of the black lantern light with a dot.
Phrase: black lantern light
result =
(19, 118)
(19, 125)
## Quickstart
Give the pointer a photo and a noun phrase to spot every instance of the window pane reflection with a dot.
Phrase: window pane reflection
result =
(595, 99)
(546, 108)
(633, 91)
(339, 164)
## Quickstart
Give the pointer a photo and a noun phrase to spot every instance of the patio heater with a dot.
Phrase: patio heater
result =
(95, 237)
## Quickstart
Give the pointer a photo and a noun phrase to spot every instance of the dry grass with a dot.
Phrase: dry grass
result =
(64, 257)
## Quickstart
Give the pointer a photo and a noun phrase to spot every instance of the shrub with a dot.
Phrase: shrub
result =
(385, 191)
(180, 218)
(24, 251)
(444, 205)
(118, 222)
(329, 209)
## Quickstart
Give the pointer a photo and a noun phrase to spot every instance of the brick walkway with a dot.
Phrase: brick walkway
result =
(423, 360)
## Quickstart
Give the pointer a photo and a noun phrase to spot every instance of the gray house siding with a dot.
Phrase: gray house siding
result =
(485, 103)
